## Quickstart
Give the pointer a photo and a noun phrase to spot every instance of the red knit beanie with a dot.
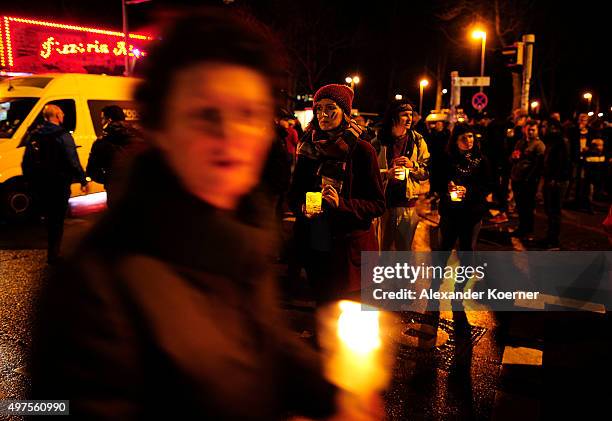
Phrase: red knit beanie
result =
(340, 94)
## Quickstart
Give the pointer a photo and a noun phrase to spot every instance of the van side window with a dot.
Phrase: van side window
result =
(68, 107)
(95, 109)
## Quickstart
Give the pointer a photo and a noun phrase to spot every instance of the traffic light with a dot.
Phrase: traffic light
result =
(513, 55)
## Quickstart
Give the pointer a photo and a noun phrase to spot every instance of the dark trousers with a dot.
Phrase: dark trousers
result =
(453, 228)
(553, 199)
(525, 197)
(53, 198)
(500, 193)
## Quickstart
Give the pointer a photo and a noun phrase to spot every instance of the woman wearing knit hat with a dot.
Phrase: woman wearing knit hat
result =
(336, 164)
(406, 161)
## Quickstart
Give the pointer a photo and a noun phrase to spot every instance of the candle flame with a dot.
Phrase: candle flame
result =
(358, 330)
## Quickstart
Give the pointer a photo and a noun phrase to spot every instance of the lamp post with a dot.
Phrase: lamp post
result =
(589, 97)
(422, 84)
(482, 35)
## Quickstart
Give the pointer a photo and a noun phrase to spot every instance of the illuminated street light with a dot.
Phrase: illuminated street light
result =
(398, 97)
(352, 80)
(535, 104)
(590, 113)
(588, 96)
(600, 115)
(482, 35)
(479, 34)
(444, 91)
(422, 84)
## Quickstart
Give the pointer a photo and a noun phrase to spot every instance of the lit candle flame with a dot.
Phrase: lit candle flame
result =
(359, 330)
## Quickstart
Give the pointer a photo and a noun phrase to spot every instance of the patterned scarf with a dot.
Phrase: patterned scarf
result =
(467, 163)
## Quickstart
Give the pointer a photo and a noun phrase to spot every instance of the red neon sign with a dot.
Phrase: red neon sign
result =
(35, 46)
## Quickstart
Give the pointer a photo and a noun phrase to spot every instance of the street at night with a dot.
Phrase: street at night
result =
(296, 211)
(504, 367)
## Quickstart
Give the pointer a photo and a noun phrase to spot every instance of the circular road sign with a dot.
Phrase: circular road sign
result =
(479, 101)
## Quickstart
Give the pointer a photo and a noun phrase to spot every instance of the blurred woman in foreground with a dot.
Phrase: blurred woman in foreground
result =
(169, 308)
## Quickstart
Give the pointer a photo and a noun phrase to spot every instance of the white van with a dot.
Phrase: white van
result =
(80, 96)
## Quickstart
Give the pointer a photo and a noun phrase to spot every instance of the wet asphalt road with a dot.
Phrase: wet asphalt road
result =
(458, 375)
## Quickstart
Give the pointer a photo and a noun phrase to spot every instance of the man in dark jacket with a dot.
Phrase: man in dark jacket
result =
(527, 161)
(116, 140)
(51, 164)
(556, 175)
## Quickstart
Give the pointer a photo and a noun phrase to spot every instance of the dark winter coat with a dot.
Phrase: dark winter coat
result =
(61, 161)
(117, 139)
(556, 159)
(348, 227)
(168, 311)
(528, 167)
(475, 175)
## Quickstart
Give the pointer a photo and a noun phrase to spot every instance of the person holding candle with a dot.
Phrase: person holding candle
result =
(336, 192)
(169, 310)
(406, 158)
(463, 185)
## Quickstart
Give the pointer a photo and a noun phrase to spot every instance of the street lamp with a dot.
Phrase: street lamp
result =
(352, 80)
(588, 96)
(422, 84)
(444, 91)
(398, 97)
(482, 35)
(590, 113)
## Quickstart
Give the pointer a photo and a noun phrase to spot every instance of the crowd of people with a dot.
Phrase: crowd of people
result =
(171, 298)
(508, 166)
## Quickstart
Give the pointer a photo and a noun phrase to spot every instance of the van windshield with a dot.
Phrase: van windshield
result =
(13, 111)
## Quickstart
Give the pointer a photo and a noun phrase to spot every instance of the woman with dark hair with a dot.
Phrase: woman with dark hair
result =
(406, 159)
(335, 193)
(463, 186)
(168, 309)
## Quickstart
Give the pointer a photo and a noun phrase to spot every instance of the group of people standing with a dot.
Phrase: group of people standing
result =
(168, 307)
(372, 204)
(369, 189)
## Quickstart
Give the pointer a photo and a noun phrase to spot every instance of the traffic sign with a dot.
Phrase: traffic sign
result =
(472, 81)
(479, 101)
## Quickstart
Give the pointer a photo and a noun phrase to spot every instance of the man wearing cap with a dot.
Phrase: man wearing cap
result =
(333, 160)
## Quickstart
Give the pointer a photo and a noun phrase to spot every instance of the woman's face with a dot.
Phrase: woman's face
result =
(329, 115)
(217, 130)
(404, 121)
(465, 142)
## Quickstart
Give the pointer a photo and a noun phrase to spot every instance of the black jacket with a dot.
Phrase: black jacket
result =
(478, 183)
(556, 159)
(116, 139)
(168, 311)
(61, 161)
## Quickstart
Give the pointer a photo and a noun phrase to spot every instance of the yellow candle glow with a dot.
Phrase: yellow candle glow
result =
(358, 330)
(357, 358)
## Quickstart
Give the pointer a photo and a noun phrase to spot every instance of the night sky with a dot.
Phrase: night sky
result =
(393, 44)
